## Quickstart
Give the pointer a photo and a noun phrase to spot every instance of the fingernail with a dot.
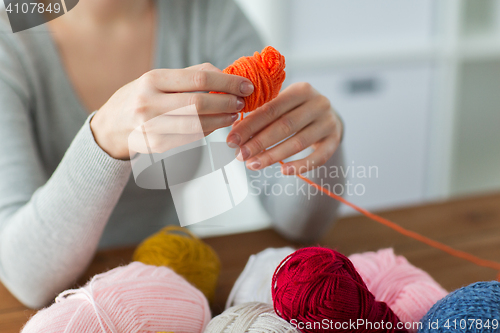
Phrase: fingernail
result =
(233, 141)
(234, 117)
(289, 170)
(246, 88)
(240, 104)
(254, 165)
(244, 154)
(238, 155)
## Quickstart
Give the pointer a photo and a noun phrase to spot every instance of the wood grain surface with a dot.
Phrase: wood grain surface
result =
(471, 224)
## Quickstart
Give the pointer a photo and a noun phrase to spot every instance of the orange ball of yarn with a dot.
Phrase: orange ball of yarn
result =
(266, 70)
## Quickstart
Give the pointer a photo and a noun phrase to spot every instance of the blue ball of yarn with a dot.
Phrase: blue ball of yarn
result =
(474, 308)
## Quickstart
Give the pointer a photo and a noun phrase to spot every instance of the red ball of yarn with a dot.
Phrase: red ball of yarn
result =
(314, 285)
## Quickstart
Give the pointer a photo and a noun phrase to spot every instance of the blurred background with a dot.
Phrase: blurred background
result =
(417, 83)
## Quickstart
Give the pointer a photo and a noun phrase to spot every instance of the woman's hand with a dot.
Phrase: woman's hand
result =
(300, 115)
(169, 96)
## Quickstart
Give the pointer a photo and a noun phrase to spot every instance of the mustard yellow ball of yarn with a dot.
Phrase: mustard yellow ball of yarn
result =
(186, 254)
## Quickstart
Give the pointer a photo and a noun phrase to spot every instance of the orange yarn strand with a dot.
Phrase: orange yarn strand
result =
(412, 234)
(266, 71)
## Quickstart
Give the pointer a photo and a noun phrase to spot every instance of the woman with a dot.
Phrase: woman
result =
(65, 185)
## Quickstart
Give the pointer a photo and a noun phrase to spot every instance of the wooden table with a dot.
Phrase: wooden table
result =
(471, 224)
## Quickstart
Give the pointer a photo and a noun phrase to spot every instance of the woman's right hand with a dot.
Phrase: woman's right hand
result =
(169, 96)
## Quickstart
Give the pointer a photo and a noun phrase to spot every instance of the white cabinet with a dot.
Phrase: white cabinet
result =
(477, 152)
(333, 25)
(481, 18)
(386, 113)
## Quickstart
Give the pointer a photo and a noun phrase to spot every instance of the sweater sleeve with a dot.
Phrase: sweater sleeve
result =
(50, 225)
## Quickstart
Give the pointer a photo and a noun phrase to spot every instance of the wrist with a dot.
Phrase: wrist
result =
(104, 138)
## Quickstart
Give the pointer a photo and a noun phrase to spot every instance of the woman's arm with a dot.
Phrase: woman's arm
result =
(49, 227)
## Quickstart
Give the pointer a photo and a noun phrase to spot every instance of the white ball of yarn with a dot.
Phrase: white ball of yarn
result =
(254, 283)
(250, 317)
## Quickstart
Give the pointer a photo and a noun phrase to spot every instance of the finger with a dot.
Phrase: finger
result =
(236, 122)
(204, 103)
(282, 128)
(324, 150)
(190, 80)
(295, 144)
(167, 124)
(211, 123)
(147, 143)
(287, 100)
(205, 67)
(161, 143)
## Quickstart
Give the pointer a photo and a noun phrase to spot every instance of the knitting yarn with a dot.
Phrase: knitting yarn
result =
(474, 308)
(408, 291)
(315, 285)
(186, 254)
(266, 70)
(132, 298)
(249, 317)
(254, 283)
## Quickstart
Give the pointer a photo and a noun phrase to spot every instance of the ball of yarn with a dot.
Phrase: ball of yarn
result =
(315, 284)
(409, 291)
(187, 255)
(254, 283)
(132, 298)
(266, 70)
(474, 308)
(249, 317)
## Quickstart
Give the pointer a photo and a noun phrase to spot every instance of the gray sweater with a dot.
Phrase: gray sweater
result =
(61, 196)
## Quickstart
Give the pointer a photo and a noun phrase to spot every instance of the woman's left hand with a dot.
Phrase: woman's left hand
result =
(303, 117)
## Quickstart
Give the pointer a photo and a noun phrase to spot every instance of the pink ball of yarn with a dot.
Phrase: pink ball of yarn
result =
(128, 299)
(409, 291)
